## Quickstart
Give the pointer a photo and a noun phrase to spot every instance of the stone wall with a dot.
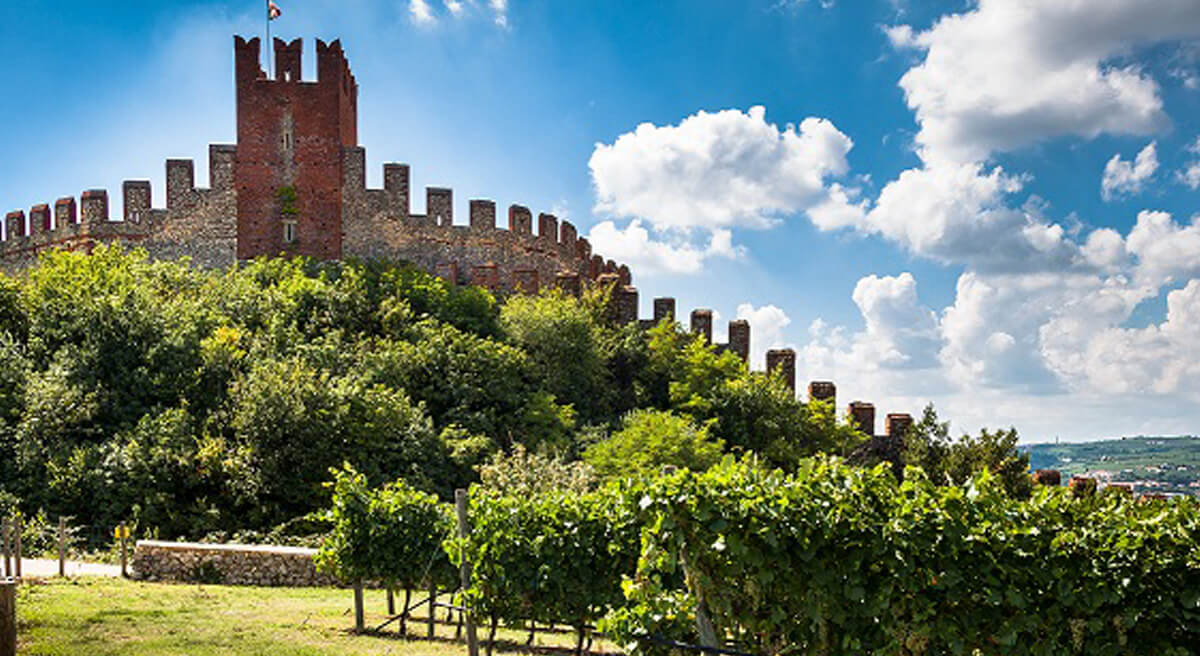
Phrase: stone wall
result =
(227, 564)
(200, 223)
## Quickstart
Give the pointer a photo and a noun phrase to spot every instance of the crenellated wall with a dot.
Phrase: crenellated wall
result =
(379, 223)
(199, 223)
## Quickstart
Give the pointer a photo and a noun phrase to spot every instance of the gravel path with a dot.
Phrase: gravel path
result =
(39, 568)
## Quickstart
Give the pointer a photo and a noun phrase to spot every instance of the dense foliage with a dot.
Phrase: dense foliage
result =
(392, 535)
(553, 557)
(839, 560)
(194, 402)
(650, 440)
(827, 560)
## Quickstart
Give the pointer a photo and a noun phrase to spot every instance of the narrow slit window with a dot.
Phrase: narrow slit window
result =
(289, 231)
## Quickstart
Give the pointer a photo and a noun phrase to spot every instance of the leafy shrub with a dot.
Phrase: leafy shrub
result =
(392, 534)
(553, 557)
(651, 439)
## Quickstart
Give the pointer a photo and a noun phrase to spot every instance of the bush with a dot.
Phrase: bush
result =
(553, 557)
(392, 535)
(651, 439)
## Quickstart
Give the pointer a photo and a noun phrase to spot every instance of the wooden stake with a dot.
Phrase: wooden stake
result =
(359, 622)
(404, 614)
(492, 635)
(8, 618)
(7, 555)
(19, 531)
(124, 571)
(391, 598)
(464, 570)
(432, 605)
(62, 546)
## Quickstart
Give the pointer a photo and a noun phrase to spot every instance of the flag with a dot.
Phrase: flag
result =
(273, 10)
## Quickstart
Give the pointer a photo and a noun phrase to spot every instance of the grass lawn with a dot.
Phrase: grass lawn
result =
(110, 616)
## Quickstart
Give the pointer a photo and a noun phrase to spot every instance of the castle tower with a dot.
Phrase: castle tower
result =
(288, 168)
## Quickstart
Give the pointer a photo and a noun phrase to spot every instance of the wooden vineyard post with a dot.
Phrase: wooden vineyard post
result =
(432, 604)
(62, 547)
(7, 554)
(460, 505)
(8, 617)
(123, 532)
(391, 601)
(360, 623)
(20, 528)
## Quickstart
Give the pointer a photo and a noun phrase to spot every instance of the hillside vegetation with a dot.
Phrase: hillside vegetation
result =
(192, 402)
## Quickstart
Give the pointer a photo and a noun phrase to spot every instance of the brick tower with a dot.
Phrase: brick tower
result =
(290, 136)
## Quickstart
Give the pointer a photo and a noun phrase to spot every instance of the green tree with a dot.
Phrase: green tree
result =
(523, 473)
(299, 422)
(483, 386)
(947, 461)
(759, 414)
(651, 439)
(563, 341)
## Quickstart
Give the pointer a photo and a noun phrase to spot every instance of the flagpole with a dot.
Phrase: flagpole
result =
(268, 45)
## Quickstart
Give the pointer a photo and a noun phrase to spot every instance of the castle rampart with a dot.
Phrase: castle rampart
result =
(295, 184)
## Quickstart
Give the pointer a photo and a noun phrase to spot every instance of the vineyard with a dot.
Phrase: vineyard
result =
(827, 560)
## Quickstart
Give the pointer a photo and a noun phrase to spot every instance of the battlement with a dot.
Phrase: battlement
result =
(380, 223)
(333, 68)
(190, 224)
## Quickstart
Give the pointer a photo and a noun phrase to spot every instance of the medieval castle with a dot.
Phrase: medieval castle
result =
(295, 184)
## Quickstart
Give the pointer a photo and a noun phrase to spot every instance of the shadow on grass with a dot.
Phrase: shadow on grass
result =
(502, 645)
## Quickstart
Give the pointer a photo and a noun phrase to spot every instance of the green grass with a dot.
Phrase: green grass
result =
(125, 618)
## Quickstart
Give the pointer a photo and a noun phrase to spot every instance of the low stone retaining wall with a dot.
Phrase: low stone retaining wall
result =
(229, 564)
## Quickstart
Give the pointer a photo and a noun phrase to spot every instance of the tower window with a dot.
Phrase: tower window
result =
(289, 231)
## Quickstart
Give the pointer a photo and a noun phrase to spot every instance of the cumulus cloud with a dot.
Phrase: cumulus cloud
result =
(710, 174)
(455, 7)
(999, 77)
(766, 330)
(1167, 251)
(1005, 75)
(900, 332)
(1122, 177)
(718, 170)
(1151, 360)
(637, 247)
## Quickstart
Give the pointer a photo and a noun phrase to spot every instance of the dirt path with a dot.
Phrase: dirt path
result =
(39, 568)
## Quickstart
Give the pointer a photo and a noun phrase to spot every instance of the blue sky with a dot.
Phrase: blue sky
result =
(984, 205)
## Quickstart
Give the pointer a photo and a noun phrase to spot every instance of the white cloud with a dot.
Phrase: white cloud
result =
(1123, 177)
(1156, 359)
(634, 245)
(455, 7)
(1005, 74)
(709, 174)
(1105, 249)
(718, 170)
(766, 330)
(421, 12)
(903, 333)
(1167, 251)
(900, 335)
(1190, 175)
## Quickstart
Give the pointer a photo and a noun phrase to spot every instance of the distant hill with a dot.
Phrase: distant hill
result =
(1166, 464)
